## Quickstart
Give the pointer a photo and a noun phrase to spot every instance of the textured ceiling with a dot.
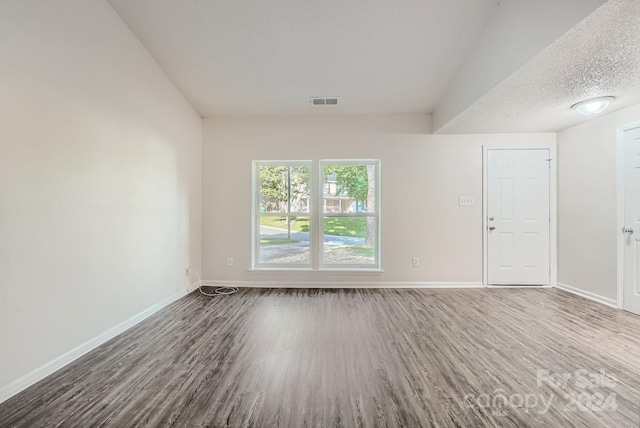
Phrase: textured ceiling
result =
(600, 56)
(253, 57)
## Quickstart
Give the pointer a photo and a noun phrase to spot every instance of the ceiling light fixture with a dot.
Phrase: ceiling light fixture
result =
(593, 105)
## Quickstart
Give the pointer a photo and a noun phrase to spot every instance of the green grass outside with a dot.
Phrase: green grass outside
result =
(346, 226)
(297, 224)
(338, 226)
(364, 251)
(277, 241)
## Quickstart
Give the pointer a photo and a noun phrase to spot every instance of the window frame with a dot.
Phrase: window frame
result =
(316, 217)
(322, 215)
(257, 215)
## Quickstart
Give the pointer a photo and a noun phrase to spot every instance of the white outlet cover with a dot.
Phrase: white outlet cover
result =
(466, 200)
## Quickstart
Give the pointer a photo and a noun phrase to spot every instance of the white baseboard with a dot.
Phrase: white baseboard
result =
(41, 372)
(193, 286)
(339, 284)
(588, 295)
(521, 286)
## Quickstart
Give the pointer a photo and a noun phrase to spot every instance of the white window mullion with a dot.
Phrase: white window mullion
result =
(316, 210)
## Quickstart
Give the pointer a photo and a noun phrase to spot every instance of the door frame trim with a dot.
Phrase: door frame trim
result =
(553, 205)
(620, 132)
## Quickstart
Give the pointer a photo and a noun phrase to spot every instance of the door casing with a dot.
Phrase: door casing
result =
(620, 209)
(553, 208)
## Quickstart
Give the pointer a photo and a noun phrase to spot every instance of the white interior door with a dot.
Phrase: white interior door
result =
(631, 229)
(518, 217)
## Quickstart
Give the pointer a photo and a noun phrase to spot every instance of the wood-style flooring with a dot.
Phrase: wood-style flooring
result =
(355, 357)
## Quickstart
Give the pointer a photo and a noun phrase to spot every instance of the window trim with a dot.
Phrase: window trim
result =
(316, 217)
(256, 215)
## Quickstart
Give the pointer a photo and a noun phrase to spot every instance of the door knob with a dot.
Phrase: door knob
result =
(492, 227)
(627, 230)
(491, 218)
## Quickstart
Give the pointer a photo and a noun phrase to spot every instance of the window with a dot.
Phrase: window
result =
(334, 225)
(349, 214)
(284, 224)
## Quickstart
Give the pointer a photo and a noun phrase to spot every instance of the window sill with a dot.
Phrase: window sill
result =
(289, 271)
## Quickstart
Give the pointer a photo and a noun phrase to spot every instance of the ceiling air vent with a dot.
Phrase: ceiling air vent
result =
(319, 101)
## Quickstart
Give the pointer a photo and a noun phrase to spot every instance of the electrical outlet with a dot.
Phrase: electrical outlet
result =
(466, 200)
(415, 262)
(230, 262)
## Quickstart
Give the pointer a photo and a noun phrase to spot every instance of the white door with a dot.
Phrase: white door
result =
(518, 217)
(631, 229)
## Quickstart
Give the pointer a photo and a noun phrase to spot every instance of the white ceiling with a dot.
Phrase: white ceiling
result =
(598, 57)
(254, 57)
(482, 65)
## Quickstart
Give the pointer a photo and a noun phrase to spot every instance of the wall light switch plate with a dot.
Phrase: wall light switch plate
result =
(466, 200)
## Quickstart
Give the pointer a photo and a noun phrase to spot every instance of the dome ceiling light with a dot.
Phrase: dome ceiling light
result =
(593, 105)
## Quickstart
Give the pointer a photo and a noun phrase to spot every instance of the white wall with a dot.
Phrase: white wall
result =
(421, 178)
(587, 211)
(100, 184)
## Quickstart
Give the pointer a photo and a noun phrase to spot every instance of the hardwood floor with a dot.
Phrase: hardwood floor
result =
(325, 358)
